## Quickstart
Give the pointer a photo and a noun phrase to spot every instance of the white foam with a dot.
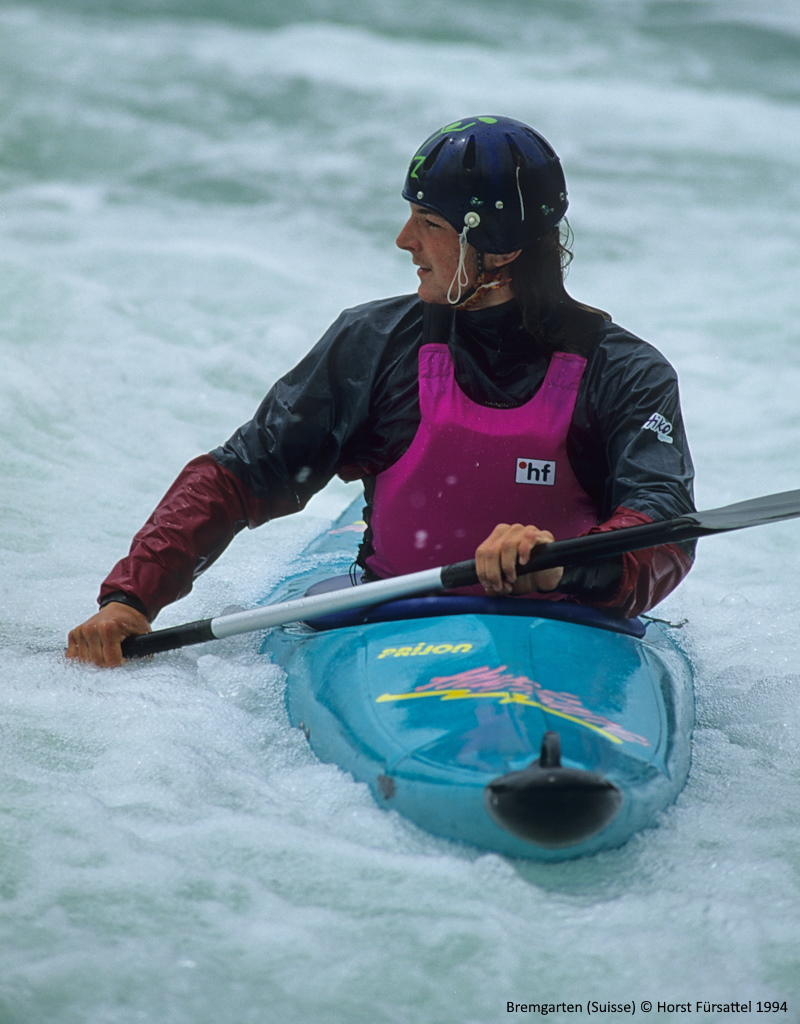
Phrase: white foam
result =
(186, 205)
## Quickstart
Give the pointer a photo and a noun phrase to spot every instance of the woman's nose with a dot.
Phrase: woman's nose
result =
(406, 239)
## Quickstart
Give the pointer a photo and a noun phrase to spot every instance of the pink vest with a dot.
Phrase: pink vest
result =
(471, 467)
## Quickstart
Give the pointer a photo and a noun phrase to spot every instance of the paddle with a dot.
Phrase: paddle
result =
(597, 546)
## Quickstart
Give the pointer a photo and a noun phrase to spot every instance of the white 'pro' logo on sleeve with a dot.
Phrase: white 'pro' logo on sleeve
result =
(660, 426)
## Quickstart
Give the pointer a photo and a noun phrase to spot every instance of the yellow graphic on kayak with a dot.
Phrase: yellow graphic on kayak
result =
(508, 688)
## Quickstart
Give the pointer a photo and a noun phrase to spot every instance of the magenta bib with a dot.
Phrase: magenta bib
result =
(471, 467)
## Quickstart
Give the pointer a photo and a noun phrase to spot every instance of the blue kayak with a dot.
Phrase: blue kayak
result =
(536, 729)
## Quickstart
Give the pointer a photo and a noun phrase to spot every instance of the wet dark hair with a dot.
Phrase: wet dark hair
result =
(549, 312)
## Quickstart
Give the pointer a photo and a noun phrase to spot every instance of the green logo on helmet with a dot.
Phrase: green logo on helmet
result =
(457, 126)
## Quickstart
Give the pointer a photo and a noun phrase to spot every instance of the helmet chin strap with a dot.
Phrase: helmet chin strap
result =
(486, 281)
(461, 277)
(483, 281)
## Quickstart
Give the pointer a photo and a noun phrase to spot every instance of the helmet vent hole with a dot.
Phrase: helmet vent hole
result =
(430, 159)
(541, 141)
(469, 154)
(515, 151)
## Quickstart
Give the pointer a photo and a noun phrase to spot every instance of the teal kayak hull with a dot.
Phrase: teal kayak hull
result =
(534, 729)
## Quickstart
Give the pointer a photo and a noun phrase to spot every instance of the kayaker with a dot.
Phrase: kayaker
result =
(486, 414)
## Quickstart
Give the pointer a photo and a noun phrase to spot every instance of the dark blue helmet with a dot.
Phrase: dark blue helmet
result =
(493, 175)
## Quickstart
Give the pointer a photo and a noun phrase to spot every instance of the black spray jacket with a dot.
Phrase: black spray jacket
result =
(351, 407)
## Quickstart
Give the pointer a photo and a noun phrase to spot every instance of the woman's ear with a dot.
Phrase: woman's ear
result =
(495, 260)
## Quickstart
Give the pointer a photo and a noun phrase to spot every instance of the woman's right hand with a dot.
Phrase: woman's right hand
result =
(98, 641)
(508, 546)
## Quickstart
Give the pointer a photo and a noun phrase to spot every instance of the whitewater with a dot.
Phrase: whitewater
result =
(190, 192)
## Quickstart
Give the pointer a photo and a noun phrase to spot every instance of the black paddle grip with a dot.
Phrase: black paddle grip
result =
(589, 548)
(168, 639)
(459, 574)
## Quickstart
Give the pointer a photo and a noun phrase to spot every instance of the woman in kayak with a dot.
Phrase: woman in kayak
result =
(486, 415)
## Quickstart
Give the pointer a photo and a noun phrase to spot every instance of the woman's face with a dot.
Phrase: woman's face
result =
(434, 248)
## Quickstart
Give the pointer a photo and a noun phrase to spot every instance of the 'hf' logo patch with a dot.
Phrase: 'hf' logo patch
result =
(536, 471)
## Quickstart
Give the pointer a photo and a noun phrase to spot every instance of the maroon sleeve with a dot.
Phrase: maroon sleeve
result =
(647, 575)
(194, 522)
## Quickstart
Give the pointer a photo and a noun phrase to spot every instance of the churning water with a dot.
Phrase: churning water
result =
(190, 191)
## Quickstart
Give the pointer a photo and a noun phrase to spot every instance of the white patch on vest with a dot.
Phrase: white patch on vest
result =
(661, 426)
(536, 471)
(420, 539)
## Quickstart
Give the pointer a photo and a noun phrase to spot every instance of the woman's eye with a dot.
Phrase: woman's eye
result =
(431, 224)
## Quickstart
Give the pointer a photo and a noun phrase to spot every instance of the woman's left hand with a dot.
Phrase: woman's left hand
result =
(507, 546)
